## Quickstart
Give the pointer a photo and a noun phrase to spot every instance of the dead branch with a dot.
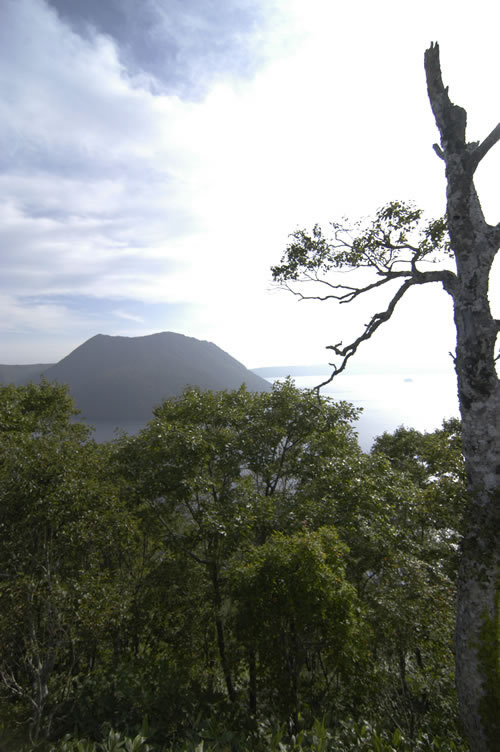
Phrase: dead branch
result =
(350, 292)
(484, 147)
(447, 279)
(451, 119)
(377, 319)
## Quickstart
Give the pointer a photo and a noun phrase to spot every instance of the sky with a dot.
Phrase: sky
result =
(156, 155)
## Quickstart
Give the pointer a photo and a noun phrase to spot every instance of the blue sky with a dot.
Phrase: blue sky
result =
(155, 156)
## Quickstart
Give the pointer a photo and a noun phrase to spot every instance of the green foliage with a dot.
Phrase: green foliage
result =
(235, 571)
(37, 408)
(397, 235)
(114, 741)
(63, 534)
(434, 463)
(295, 611)
(221, 472)
(361, 736)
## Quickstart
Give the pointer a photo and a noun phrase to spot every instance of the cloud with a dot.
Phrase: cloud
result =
(155, 155)
(108, 189)
(38, 315)
(179, 47)
(91, 179)
(129, 316)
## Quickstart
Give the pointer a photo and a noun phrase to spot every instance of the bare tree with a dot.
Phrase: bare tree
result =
(398, 247)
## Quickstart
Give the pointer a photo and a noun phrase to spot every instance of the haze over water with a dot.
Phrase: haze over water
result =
(390, 400)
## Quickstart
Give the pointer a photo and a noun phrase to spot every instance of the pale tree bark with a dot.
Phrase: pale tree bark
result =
(474, 243)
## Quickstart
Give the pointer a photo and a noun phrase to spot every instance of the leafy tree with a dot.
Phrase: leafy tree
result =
(227, 478)
(397, 245)
(434, 462)
(402, 540)
(38, 409)
(296, 612)
(63, 540)
(187, 465)
(221, 471)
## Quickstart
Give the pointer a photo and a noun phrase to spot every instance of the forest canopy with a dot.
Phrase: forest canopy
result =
(239, 574)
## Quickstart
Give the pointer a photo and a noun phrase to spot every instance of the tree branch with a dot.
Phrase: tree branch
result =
(438, 151)
(495, 235)
(350, 292)
(451, 119)
(484, 147)
(377, 319)
(447, 279)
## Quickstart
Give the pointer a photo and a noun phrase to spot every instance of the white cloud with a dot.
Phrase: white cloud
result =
(114, 192)
(34, 316)
(128, 316)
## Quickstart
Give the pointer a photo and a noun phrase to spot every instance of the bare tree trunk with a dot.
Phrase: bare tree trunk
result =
(475, 243)
(477, 623)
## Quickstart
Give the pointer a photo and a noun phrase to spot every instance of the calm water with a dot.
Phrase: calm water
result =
(391, 400)
(388, 401)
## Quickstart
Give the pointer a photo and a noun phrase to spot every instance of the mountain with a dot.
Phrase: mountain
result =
(20, 375)
(120, 379)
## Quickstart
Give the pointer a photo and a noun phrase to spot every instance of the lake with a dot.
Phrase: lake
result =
(388, 400)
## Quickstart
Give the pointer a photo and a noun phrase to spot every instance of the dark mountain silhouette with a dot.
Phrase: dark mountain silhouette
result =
(21, 375)
(120, 379)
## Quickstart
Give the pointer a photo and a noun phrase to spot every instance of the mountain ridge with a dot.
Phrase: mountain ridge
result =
(121, 379)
